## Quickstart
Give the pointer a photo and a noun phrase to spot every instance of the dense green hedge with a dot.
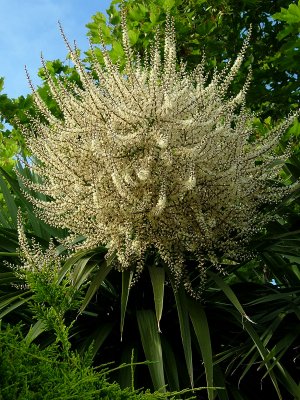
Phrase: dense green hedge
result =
(28, 372)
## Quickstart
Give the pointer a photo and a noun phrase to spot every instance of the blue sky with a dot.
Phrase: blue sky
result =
(29, 27)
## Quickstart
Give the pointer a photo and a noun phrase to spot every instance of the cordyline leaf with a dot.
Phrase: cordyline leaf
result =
(152, 347)
(39, 227)
(157, 275)
(249, 328)
(200, 324)
(82, 271)
(97, 338)
(219, 379)
(289, 382)
(104, 268)
(280, 348)
(277, 265)
(35, 331)
(126, 282)
(8, 254)
(7, 277)
(249, 364)
(265, 338)
(184, 324)
(71, 262)
(9, 298)
(127, 367)
(263, 353)
(170, 365)
(8, 240)
(229, 294)
(236, 394)
(4, 220)
(13, 306)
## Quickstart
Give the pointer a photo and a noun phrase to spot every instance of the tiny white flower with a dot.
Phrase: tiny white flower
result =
(157, 155)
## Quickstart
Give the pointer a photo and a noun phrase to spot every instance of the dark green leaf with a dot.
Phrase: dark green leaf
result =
(200, 324)
(126, 282)
(152, 347)
(157, 275)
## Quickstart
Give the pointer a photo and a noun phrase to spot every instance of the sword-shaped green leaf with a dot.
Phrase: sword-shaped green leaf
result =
(126, 282)
(157, 275)
(263, 353)
(97, 338)
(8, 254)
(170, 365)
(292, 386)
(104, 269)
(82, 271)
(20, 301)
(35, 331)
(229, 294)
(8, 298)
(152, 347)
(200, 324)
(184, 324)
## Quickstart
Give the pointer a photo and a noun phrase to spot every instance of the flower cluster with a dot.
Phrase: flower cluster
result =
(34, 259)
(154, 156)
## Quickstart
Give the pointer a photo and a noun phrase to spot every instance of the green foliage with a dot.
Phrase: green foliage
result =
(29, 372)
(11, 140)
(290, 15)
(199, 344)
(290, 42)
(53, 296)
(218, 28)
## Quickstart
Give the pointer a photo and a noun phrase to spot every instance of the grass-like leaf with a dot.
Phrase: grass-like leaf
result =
(126, 281)
(97, 338)
(16, 301)
(35, 331)
(229, 294)
(152, 347)
(157, 275)
(104, 268)
(170, 365)
(83, 270)
(200, 324)
(184, 324)
(263, 353)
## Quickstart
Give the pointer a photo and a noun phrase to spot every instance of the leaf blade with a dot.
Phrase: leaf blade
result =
(157, 276)
(126, 281)
(201, 328)
(104, 269)
(152, 347)
(184, 325)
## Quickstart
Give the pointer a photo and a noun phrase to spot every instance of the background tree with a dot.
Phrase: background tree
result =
(218, 28)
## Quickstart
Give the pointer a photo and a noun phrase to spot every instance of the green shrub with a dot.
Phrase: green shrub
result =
(28, 372)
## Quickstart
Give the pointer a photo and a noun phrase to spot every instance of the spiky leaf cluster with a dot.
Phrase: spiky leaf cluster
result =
(154, 156)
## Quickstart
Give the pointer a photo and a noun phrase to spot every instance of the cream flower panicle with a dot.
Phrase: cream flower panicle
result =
(34, 258)
(154, 156)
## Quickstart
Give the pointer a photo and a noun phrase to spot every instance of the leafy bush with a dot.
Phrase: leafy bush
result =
(30, 373)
